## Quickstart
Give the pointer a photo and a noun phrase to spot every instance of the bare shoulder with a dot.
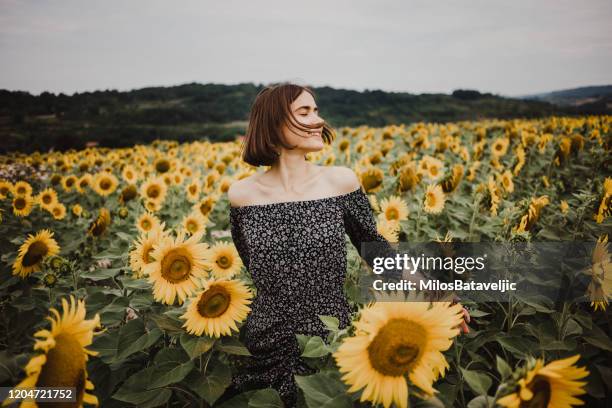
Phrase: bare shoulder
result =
(240, 191)
(343, 178)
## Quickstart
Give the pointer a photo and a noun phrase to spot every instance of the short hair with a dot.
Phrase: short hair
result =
(270, 110)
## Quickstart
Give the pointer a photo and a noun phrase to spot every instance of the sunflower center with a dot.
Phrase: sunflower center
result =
(20, 203)
(214, 302)
(162, 166)
(105, 184)
(65, 367)
(540, 387)
(176, 266)
(392, 214)
(224, 262)
(147, 255)
(193, 189)
(397, 347)
(192, 226)
(431, 199)
(153, 192)
(205, 208)
(36, 252)
(371, 181)
(46, 199)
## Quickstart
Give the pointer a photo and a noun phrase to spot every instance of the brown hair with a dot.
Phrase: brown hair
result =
(270, 110)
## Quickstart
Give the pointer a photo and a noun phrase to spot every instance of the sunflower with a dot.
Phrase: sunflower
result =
(550, 385)
(22, 188)
(6, 187)
(178, 178)
(506, 181)
(393, 209)
(22, 205)
(395, 340)
(152, 206)
(129, 175)
(83, 182)
(154, 189)
(215, 310)
(147, 222)
(128, 193)
(564, 207)
(162, 165)
(372, 179)
(77, 209)
(224, 260)
(69, 182)
(388, 229)
(224, 184)
(179, 265)
(140, 256)
(431, 167)
(194, 222)
(63, 362)
(408, 177)
(58, 210)
(599, 289)
(206, 205)
(47, 198)
(193, 192)
(33, 252)
(500, 147)
(100, 225)
(105, 183)
(434, 199)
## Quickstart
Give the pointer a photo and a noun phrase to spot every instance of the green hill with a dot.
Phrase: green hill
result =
(220, 112)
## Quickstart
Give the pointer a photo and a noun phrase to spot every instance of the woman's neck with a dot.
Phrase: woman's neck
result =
(292, 171)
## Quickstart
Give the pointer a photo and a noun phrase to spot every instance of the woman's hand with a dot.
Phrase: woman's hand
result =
(466, 319)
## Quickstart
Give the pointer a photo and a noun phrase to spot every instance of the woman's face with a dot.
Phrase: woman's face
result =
(305, 111)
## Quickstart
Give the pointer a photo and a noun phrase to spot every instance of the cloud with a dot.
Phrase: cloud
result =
(510, 48)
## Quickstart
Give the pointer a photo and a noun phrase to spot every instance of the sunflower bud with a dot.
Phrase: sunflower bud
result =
(123, 212)
(50, 280)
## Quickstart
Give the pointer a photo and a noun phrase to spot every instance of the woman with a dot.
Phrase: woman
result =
(289, 226)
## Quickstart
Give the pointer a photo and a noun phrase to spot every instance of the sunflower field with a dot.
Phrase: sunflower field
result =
(118, 275)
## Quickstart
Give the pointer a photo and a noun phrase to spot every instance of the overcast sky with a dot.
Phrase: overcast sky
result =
(510, 47)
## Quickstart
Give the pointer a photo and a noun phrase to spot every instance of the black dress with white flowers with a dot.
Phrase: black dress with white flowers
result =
(295, 253)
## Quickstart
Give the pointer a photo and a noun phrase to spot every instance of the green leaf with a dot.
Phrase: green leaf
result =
(195, 346)
(129, 282)
(320, 389)
(572, 328)
(114, 312)
(598, 338)
(482, 401)
(170, 357)
(315, 347)
(173, 376)
(478, 381)
(232, 345)
(502, 367)
(478, 313)
(211, 385)
(266, 398)
(331, 322)
(168, 324)
(106, 345)
(134, 389)
(128, 347)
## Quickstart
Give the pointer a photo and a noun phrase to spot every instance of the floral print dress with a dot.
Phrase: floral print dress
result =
(296, 254)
